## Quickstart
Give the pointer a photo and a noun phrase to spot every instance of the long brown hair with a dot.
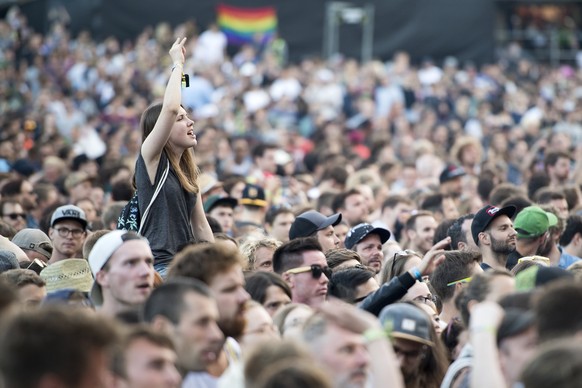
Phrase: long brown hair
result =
(186, 168)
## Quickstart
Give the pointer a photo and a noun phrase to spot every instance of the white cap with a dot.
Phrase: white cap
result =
(102, 252)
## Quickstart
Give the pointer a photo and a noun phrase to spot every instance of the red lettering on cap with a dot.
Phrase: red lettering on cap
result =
(492, 211)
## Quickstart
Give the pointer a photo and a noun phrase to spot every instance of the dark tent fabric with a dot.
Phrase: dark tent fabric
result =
(424, 28)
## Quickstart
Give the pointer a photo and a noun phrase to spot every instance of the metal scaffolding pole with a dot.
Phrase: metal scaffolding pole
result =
(338, 13)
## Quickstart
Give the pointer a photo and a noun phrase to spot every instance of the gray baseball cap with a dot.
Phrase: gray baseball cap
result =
(69, 212)
(407, 321)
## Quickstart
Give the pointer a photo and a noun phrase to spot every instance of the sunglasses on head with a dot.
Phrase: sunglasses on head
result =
(464, 280)
(399, 254)
(316, 271)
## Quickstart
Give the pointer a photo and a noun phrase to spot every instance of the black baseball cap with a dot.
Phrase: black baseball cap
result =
(487, 214)
(253, 195)
(451, 172)
(217, 200)
(306, 224)
(361, 231)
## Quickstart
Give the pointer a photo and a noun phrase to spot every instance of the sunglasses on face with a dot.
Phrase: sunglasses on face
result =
(316, 271)
(15, 216)
(424, 299)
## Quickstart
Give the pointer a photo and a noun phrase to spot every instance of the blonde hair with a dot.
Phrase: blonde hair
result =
(251, 245)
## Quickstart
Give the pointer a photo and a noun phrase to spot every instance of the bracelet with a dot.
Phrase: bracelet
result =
(372, 335)
(416, 273)
(177, 65)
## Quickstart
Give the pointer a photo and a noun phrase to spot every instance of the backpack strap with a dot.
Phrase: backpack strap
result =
(156, 192)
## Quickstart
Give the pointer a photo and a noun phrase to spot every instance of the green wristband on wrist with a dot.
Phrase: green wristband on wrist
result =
(372, 335)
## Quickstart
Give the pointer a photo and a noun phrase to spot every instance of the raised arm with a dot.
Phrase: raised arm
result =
(486, 318)
(398, 286)
(153, 145)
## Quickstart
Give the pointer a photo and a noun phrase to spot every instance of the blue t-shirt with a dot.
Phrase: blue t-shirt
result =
(566, 259)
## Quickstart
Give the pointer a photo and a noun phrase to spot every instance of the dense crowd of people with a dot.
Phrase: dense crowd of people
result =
(172, 216)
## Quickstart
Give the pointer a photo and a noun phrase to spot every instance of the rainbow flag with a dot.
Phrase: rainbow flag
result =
(242, 24)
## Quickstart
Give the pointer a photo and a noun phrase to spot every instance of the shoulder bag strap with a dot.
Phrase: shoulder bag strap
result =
(156, 192)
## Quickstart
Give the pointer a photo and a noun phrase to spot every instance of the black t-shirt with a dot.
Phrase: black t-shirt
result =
(512, 259)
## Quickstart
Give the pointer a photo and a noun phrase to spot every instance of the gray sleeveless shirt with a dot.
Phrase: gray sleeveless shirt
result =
(167, 227)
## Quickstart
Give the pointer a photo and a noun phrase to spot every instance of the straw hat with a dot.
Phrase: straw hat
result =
(69, 273)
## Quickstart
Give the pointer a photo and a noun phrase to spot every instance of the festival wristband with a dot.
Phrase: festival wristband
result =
(416, 272)
(372, 335)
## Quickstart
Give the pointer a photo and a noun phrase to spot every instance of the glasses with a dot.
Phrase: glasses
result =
(64, 232)
(316, 271)
(15, 216)
(424, 299)
(464, 280)
(406, 252)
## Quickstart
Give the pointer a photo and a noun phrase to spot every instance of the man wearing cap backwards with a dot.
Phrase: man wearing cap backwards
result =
(122, 264)
(313, 223)
(222, 210)
(532, 225)
(67, 232)
(494, 234)
(367, 241)
(35, 243)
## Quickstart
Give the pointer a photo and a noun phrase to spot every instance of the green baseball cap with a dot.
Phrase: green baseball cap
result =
(533, 221)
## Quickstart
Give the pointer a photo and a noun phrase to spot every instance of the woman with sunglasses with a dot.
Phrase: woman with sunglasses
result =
(177, 216)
